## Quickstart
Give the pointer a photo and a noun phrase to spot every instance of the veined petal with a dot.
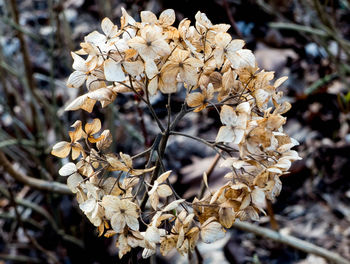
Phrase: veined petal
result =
(150, 68)
(225, 134)
(148, 17)
(132, 222)
(61, 149)
(167, 17)
(113, 71)
(195, 99)
(76, 79)
(228, 115)
(161, 47)
(235, 45)
(67, 169)
(164, 190)
(118, 222)
(212, 232)
(93, 127)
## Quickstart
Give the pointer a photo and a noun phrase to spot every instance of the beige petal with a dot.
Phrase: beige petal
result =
(222, 39)
(61, 149)
(148, 17)
(77, 149)
(152, 234)
(167, 17)
(279, 81)
(258, 197)
(162, 178)
(154, 200)
(88, 206)
(161, 47)
(106, 141)
(235, 45)
(95, 38)
(153, 86)
(212, 232)
(247, 58)
(132, 222)
(246, 201)
(73, 182)
(225, 134)
(79, 63)
(101, 94)
(118, 222)
(82, 102)
(67, 169)
(134, 68)
(113, 71)
(111, 202)
(126, 159)
(93, 127)
(228, 115)
(173, 205)
(195, 99)
(108, 27)
(76, 79)
(150, 68)
(164, 190)
(226, 216)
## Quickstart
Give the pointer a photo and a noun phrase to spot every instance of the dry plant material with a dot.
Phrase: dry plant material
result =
(140, 206)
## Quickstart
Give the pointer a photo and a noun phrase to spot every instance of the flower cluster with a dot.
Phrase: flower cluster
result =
(140, 206)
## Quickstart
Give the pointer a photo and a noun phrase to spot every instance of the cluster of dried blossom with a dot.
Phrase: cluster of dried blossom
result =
(140, 206)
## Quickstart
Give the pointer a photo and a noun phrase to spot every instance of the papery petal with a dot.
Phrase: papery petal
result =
(228, 115)
(93, 127)
(152, 234)
(258, 197)
(61, 149)
(113, 71)
(167, 17)
(82, 102)
(225, 134)
(73, 182)
(79, 63)
(150, 68)
(118, 222)
(88, 205)
(212, 232)
(164, 190)
(195, 99)
(148, 17)
(76, 79)
(67, 169)
(132, 222)
(134, 68)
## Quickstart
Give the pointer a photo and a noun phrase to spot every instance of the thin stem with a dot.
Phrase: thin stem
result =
(197, 139)
(290, 241)
(209, 172)
(30, 181)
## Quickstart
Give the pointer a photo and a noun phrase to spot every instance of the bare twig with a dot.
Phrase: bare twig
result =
(209, 172)
(291, 241)
(40, 210)
(30, 181)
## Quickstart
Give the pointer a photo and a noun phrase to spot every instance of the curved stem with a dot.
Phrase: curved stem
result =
(30, 181)
(197, 139)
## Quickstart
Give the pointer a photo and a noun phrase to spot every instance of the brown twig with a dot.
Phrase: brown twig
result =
(231, 19)
(35, 243)
(291, 241)
(30, 181)
(209, 172)
(271, 214)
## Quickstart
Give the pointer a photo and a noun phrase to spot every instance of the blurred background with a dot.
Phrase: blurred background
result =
(306, 40)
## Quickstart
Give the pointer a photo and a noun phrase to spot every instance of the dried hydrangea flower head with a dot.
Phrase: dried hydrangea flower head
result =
(140, 206)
